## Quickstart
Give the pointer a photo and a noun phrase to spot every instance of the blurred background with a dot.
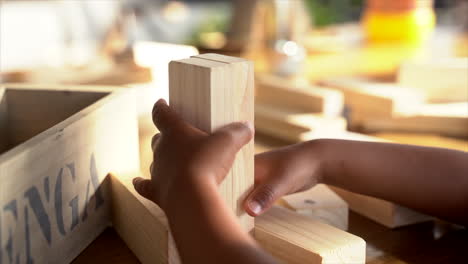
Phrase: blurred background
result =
(401, 66)
(375, 70)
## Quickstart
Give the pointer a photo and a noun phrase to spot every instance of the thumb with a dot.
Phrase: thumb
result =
(233, 137)
(144, 187)
(264, 195)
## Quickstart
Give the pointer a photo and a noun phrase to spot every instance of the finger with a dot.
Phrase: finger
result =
(144, 187)
(154, 141)
(263, 196)
(164, 117)
(263, 164)
(233, 137)
(151, 168)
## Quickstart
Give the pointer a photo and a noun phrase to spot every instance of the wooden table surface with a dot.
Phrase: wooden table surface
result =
(430, 242)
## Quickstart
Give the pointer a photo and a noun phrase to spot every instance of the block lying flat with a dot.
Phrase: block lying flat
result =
(447, 119)
(374, 99)
(295, 238)
(322, 204)
(293, 125)
(282, 93)
(383, 212)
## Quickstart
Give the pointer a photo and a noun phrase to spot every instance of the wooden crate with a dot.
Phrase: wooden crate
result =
(57, 146)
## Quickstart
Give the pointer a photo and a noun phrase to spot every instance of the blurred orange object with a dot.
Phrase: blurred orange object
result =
(403, 21)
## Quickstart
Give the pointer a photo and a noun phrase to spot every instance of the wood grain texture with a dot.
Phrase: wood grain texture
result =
(376, 100)
(210, 91)
(141, 223)
(54, 187)
(293, 125)
(294, 238)
(321, 204)
(383, 212)
(295, 95)
(445, 119)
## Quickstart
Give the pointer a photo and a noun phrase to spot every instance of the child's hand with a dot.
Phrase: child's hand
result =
(186, 158)
(283, 171)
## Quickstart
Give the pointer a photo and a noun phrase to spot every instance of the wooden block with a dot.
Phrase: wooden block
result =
(295, 238)
(294, 126)
(375, 99)
(292, 94)
(321, 204)
(383, 212)
(210, 91)
(3, 121)
(440, 80)
(290, 237)
(445, 119)
(141, 223)
(62, 143)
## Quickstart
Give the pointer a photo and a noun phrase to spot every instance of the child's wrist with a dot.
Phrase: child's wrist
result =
(315, 152)
(186, 193)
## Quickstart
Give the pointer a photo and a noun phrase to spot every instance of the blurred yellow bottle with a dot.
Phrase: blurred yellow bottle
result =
(401, 21)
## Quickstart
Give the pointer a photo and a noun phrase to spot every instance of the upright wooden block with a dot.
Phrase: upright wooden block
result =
(60, 143)
(210, 91)
(3, 120)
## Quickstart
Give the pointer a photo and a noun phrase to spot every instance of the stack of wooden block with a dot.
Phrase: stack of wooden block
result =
(376, 107)
(295, 111)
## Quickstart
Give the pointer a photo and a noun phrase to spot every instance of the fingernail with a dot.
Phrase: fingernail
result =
(255, 207)
(249, 125)
(161, 101)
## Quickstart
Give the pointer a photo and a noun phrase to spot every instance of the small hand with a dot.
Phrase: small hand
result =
(184, 156)
(283, 171)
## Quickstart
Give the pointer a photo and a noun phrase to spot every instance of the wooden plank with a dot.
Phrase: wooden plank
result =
(293, 94)
(55, 197)
(294, 126)
(445, 119)
(141, 223)
(295, 238)
(4, 140)
(321, 204)
(383, 212)
(442, 80)
(375, 99)
(210, 91)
